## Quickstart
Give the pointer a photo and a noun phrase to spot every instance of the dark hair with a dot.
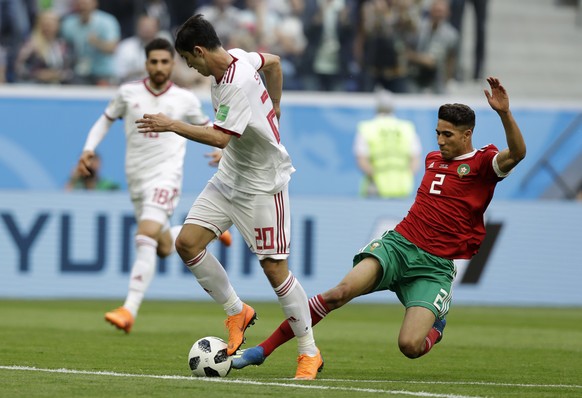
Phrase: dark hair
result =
(159, 44)
(459, 115)
(196, 31)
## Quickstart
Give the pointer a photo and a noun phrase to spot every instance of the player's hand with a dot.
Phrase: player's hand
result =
(151, 123)
(85, 164)
(498, 98)
(215, 157)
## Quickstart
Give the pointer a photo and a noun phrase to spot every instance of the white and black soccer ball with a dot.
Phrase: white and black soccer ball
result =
(208, 358)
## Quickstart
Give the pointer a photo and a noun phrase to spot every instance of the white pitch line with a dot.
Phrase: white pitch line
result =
(470, 383)
(239, 381)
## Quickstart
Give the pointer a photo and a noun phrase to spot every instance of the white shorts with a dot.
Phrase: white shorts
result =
(263, 220)
(155, 200)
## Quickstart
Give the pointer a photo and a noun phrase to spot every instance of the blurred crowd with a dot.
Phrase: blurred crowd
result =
(404, 46)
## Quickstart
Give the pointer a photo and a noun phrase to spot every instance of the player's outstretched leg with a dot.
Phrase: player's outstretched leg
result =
(236, 325)
(257, 355)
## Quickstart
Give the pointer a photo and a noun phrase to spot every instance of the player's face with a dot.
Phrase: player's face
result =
(195, 61)
(159, 65)
(452, 141)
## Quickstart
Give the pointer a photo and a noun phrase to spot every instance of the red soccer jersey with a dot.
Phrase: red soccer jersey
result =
(446, 218)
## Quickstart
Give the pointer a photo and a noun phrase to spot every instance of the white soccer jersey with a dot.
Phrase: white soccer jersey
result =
(254, 161)
(152, 156)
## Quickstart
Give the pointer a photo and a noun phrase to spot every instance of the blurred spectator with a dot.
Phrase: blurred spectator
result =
(2, 65)
(158, 9)
(327, 57)
(387, 150)
(130, 53)
(180, 11)
(456, 19)
(386, 29)
(225, 18)
(15, 26)
(289, 43)
(59, 7)
(93, 34)
(130, 56)
(94, 182)
(257, 23)
(44, 58)
(280, 7)
(433, 59)
(125, 11)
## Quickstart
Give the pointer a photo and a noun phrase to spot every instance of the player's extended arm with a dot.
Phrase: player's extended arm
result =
(160, 123)
(96, 134)
(273, 80)
(516, 149)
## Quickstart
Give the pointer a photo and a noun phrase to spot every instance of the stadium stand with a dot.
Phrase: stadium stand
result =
(535, 45)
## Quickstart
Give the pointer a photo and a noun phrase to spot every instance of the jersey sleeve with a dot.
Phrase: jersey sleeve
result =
(116, 107)
(491, 170)
(253, 58)
(233, 113)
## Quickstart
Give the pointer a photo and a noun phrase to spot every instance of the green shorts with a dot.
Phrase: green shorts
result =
(418, 278)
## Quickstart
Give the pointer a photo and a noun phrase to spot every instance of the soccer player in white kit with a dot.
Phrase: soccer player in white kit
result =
(250, 188)
(153, 166)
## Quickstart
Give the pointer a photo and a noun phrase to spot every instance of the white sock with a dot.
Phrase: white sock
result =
(214, 280)
(295, 306)
(142, 272)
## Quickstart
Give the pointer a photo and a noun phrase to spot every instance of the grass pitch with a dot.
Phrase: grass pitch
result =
(64, 348)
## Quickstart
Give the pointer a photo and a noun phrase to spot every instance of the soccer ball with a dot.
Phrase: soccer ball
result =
(208, 358)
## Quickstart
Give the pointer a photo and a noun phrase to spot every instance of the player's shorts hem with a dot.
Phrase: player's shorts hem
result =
(278, 256)
(360, 257)
(154, 213)
(204, 224)
(426, 305)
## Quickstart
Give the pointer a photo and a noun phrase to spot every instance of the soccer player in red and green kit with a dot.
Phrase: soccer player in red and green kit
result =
(445, 222)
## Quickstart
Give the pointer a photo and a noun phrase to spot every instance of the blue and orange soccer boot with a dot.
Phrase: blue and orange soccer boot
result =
(250, 356)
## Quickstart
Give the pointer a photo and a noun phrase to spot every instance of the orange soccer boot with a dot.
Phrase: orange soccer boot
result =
(236, 325)
(308, 367)
(121, 318)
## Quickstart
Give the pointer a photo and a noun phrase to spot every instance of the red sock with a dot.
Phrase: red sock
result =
(318, 309)
(430, 340)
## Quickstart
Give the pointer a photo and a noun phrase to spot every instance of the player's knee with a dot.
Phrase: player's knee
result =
(164, 250)
(410, 347)
(186, 247)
